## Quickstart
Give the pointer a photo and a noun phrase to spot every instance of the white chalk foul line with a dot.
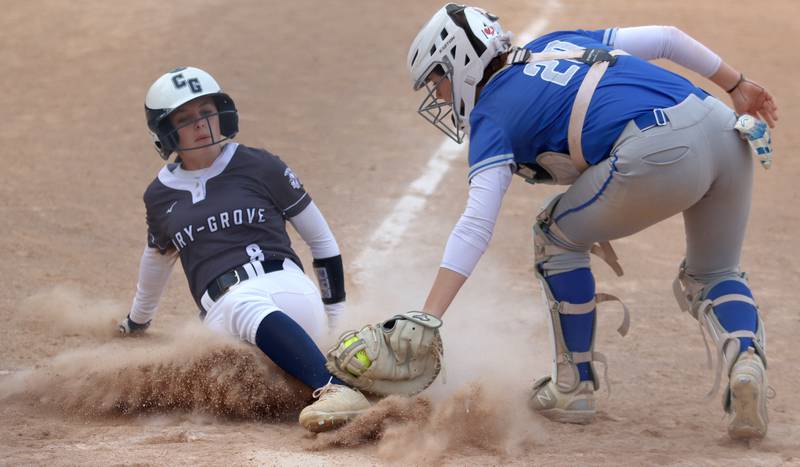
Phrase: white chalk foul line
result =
(389, 234)
(391, 231)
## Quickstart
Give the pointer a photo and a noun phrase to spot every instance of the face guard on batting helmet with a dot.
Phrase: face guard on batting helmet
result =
(457, 43)
(176, 88)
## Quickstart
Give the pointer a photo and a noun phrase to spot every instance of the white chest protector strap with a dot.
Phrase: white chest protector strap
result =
(598, 60)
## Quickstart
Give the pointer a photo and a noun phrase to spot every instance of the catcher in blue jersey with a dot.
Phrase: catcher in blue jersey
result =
(637, 144)
(222, 208)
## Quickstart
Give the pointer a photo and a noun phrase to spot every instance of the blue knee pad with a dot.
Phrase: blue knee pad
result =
(576, 286)
(735, 315)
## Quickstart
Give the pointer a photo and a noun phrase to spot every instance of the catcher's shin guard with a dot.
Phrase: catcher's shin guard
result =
(726, 311)
(566, 396)
(573, 324)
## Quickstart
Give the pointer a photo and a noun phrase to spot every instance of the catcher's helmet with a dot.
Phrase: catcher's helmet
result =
(458, 42)
(175, 88)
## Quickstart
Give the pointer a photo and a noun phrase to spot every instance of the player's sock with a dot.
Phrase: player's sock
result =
(576, 286)
(735, 315)
(288, 345)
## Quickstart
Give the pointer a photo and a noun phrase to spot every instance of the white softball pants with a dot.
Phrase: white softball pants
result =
(242, 308)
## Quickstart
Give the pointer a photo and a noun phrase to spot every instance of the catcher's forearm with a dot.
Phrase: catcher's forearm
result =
(726, 77)
(444, 290)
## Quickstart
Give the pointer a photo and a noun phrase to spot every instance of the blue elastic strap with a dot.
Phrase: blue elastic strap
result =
(735, 315)
(576, 286)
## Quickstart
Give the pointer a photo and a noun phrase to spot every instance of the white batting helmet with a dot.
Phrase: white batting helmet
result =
(459, 42)
(175, 88)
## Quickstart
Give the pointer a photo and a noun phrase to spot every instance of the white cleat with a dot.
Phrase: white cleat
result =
(748, 398)
(335, 406)
(576, 406)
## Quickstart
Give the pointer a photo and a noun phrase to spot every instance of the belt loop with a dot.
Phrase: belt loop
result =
(661, 117)
(206, 303)
(250, 270)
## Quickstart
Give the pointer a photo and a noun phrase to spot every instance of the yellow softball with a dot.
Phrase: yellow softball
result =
(361, 356)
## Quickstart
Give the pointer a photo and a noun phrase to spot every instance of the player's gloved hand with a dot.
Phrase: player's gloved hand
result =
(128, 327)
(335, 311)
(756, 133)
(402, 355)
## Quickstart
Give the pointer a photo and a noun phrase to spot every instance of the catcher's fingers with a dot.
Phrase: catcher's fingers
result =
(769, 111)
(751, 98)
(128, 327)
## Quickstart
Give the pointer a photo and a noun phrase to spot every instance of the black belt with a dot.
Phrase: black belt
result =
(225, 281)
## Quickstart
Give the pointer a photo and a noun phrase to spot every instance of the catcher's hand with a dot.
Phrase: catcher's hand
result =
(402, 355)
(128, 327)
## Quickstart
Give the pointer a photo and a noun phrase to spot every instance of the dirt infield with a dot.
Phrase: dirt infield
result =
(323, 85)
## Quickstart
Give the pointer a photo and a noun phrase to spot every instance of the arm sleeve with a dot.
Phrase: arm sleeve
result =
(471, 234)
(314, 230)
(652, 42)
(328, 267)
(154, 270)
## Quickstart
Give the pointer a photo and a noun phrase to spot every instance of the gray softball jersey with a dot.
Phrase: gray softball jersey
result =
(228, 214)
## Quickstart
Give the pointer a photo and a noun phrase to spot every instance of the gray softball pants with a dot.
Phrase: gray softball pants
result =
(696, 164)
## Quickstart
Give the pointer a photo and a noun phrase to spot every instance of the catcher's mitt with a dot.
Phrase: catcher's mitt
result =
(403, 355)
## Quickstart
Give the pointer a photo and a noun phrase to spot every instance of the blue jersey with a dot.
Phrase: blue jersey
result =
(525, 109)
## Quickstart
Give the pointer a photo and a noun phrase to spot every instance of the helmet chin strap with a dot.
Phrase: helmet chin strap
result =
(190, 159)
(195, 148)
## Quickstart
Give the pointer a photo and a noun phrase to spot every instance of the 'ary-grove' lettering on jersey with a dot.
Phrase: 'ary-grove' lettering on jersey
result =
(217, 222)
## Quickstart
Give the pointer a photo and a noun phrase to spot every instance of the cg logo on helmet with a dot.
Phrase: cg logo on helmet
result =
(194, 84)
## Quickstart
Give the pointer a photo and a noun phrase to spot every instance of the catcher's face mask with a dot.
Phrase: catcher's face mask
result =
(437, 105)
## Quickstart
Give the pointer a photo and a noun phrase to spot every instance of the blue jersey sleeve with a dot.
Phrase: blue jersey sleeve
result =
(605, 36)
(488, 145)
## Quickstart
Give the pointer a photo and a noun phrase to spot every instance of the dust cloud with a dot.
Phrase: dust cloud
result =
(418, 431)
(476, 405)
(68, 310)
(192, 370)
(223, 379)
